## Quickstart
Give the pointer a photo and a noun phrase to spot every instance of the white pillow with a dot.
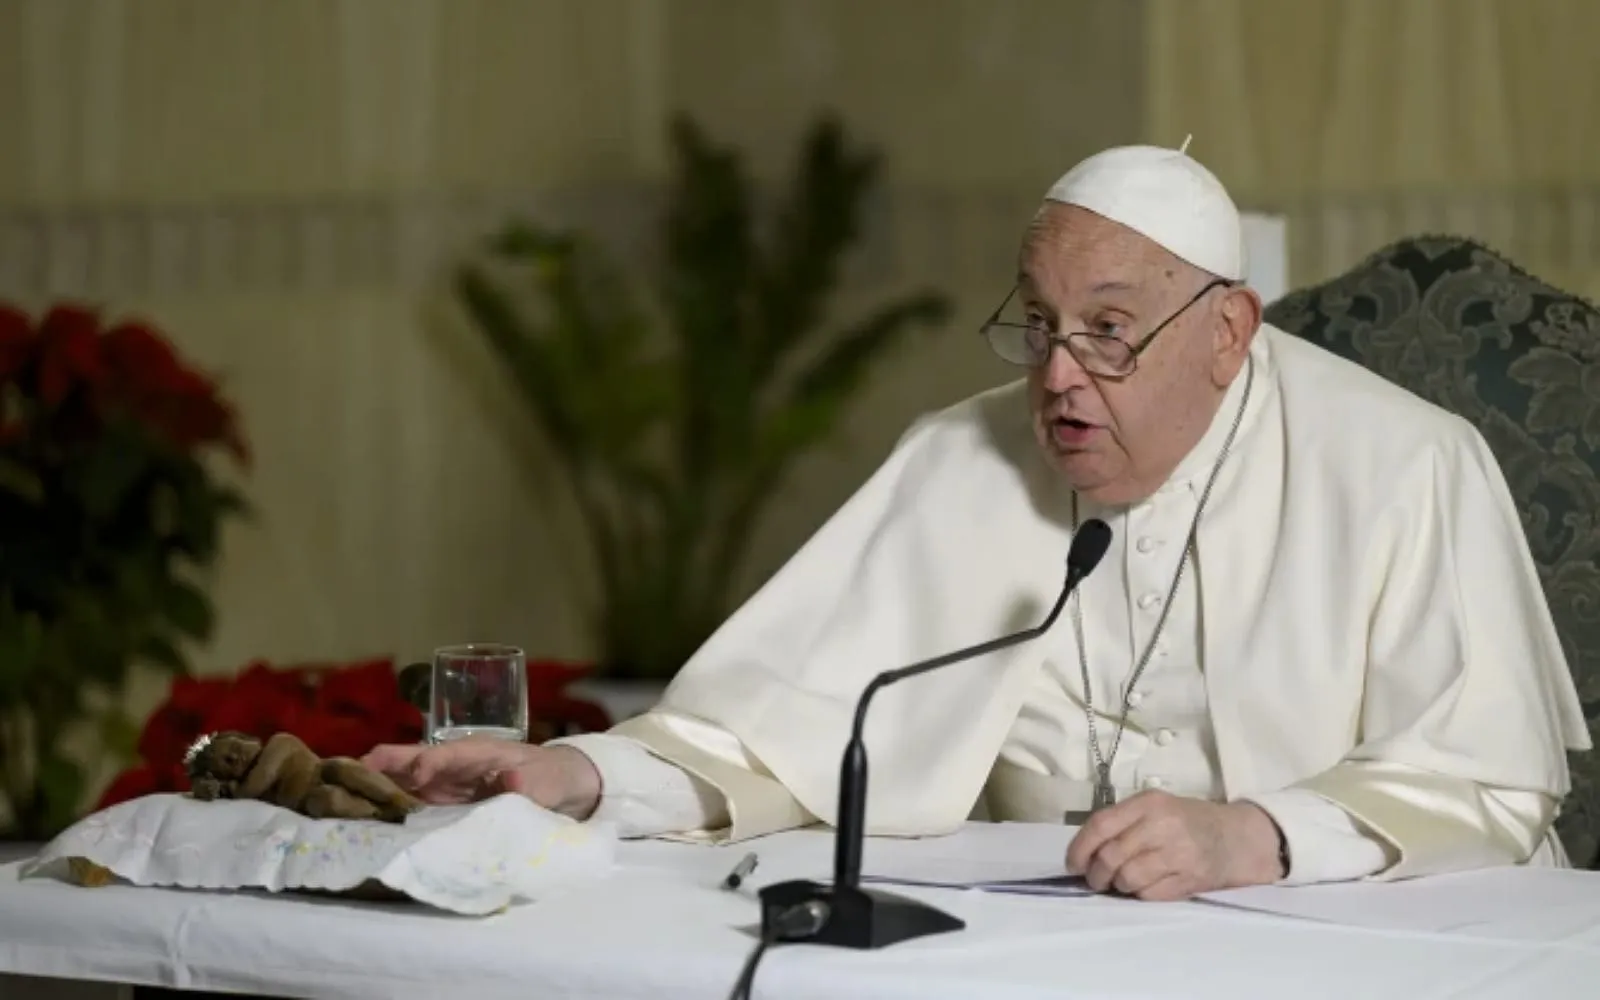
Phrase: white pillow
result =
(473, 859)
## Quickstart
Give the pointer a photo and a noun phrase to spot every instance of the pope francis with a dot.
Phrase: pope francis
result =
(1317, 649)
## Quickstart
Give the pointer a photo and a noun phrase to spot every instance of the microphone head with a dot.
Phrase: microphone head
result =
(1089, 546)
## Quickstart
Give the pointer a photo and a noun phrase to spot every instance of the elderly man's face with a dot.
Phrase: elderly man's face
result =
(1117, 440)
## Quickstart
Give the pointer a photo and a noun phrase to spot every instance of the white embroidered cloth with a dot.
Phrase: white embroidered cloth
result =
(470, 859)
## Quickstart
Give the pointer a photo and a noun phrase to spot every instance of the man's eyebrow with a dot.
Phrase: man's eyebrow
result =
(1098, 288)
(1102, 287)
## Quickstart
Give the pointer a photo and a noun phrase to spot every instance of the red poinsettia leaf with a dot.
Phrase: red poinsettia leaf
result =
(140, 357)
(337, 736)
(550, 677)
(571, 714)
(149, 382)
(69, 352)
(368, 688)
(195, 694)
(168, 733)
(255, 715)
(260, 676)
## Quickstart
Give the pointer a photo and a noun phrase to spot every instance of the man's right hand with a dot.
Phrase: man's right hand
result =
(560, 778)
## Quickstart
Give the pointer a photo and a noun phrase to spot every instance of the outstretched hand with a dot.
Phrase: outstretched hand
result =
(1158, 846)
(562, 779)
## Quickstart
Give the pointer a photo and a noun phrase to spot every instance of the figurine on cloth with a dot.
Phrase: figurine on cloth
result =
(285, 772)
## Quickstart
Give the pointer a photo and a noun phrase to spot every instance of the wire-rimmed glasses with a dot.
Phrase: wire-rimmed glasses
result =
(1029, 344)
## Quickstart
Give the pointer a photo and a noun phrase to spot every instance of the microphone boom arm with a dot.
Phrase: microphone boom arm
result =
(851, 820)
(843, 913)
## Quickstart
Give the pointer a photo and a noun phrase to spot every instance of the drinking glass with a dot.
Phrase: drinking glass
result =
(479, 690)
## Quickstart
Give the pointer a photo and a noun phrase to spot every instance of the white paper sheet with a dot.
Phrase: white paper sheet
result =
(1461, 903)
(1022, 858)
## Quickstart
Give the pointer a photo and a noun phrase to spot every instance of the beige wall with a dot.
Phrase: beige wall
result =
(276, 182)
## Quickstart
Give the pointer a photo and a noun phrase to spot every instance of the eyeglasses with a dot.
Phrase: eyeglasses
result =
(1030, 344)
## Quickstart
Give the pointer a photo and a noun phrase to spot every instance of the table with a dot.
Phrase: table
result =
(661, 927)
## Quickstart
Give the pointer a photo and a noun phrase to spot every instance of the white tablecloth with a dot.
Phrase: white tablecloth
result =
(661, 927)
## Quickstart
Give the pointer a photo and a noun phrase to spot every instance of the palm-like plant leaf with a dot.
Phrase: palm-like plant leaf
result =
(673, 459)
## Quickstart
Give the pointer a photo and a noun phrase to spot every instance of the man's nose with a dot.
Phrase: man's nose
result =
(1061, 371)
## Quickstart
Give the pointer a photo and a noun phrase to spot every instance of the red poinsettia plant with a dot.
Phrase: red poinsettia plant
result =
(339, 710)
(110, 511)
(553, 712)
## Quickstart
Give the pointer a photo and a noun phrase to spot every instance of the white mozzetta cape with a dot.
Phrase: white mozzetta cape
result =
(1373, 627)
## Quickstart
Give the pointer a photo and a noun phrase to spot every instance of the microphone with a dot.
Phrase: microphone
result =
(844, 914)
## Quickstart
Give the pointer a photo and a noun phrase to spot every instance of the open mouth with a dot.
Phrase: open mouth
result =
(1069, 431)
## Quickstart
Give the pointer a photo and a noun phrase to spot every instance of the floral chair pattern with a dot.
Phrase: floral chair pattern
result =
(1461, 326)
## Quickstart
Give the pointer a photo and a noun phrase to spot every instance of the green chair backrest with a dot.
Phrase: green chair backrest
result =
(1461, 326)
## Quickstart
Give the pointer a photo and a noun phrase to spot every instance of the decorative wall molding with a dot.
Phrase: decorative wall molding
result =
(278, 247)
(327, 244)
(321, 245)
(1328, 234)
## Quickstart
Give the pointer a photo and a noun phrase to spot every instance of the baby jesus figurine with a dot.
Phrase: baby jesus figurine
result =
(284, 771)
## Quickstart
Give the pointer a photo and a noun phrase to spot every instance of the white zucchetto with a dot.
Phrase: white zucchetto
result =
(1166, 196)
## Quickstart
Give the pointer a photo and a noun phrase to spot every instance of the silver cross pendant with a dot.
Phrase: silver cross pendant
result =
(1104, 793)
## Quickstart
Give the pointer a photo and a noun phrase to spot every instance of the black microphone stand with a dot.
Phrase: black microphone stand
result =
(847, 915)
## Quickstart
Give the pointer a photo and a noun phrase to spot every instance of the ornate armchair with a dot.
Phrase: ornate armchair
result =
(1461, 326)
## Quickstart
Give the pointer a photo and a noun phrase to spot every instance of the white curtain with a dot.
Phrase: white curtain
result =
(1367, 120)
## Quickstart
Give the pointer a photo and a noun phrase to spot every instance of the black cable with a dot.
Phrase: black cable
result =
(747, 975)
(794, 924)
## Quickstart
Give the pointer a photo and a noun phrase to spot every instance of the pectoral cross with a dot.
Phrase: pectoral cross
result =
(1105, 794)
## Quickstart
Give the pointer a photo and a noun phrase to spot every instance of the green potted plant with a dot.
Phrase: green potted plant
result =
(108, 513)
(675, 416)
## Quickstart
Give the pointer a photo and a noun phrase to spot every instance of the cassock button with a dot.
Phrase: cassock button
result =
(1146, 544)
(1165, 736)
(1149, 601)
(1135, 699)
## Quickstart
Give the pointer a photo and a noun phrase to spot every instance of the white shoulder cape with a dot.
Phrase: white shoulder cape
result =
(1367, 595)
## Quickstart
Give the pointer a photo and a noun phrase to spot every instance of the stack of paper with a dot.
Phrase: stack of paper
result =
(1023, 858)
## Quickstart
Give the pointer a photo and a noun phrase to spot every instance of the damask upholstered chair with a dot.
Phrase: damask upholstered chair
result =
(1463, 327)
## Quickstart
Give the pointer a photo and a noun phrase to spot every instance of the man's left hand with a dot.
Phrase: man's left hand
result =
(1158, 846)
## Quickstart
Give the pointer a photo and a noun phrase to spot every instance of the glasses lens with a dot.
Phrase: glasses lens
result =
(1015, 345)
(1101, 355)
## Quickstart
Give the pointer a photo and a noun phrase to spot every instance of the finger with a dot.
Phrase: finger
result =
(1168, 889)
(437, 761)
(389, 758)
(511, 781)
(466, 760)
(1145, 869)
(1105, 825)
(1147, 834)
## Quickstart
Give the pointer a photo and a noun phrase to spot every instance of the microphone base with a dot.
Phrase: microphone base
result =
(857, 917)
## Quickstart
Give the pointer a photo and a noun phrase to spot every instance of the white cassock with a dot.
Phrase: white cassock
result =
(1360, 646)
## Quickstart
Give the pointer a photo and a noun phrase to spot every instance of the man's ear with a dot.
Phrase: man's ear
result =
(1240, 317)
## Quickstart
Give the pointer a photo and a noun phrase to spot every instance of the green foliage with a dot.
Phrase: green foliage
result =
(107, 514)
(95, 581)
(676, 417)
